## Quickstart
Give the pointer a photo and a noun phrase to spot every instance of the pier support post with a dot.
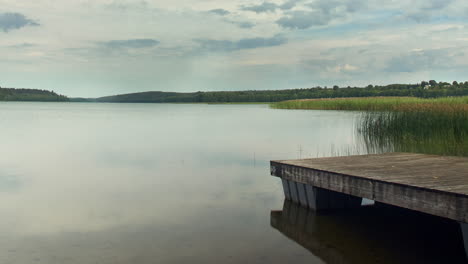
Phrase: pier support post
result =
(287, 193)
(317, 198)
(464, 230)
(322, 199)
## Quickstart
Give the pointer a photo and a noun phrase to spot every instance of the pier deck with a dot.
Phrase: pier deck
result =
(431, 184)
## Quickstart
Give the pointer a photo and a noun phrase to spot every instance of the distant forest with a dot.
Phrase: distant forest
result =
(430, 89)
(12, 94)
(424, 89)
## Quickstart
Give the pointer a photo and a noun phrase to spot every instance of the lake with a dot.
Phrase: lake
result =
(185, 183)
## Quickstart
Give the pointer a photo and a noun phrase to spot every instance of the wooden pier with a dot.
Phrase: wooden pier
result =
(430, 184)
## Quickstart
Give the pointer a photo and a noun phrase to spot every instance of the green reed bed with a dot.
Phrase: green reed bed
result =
(378, 104)
(432, 126)
(424, 132)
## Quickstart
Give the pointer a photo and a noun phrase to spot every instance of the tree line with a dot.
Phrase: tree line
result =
(12, 94)
(430, 89)
(424, 89)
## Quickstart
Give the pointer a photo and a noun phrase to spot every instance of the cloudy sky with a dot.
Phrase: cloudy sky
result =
(99, 47)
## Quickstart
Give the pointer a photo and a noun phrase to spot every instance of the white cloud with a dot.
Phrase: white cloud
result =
(345, 68)
(91, 48)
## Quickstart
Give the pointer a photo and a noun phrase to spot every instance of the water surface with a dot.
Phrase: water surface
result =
(156, 183)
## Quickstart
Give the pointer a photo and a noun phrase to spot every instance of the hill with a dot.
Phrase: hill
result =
(13, 94)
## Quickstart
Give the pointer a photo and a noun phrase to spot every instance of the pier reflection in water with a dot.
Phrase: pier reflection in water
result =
(371, 234)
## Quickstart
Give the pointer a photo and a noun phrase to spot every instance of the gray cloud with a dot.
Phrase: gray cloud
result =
(11, 21)
(436, 4)
(271, 7)
(242, 24)
(304, 19)
(289, 4)
(323, 12)
(262, 8)
(247, 43)
(219, 11)
(127, 6)
(130, 43)
(419, 17)
(409, 63)
(338, 7)
(426, 12)
(421, 60)
(224, 12)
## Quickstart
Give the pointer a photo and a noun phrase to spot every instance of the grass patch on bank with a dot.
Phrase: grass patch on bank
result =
(401, 104)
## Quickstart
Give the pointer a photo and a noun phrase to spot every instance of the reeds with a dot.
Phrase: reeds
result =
(432, 126)
(438, 133)
(411, 104)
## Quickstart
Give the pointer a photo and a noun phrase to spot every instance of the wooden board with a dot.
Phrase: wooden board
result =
(419, 170)
(433, 184)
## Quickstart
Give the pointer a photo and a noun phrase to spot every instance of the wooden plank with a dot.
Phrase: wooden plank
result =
(432, 184)
(407, 168)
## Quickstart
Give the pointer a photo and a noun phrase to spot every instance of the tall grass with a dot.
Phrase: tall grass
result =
(446, 104)
(432, 126)
(423, 132)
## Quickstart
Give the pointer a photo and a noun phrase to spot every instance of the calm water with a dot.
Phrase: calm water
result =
(167, 183)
